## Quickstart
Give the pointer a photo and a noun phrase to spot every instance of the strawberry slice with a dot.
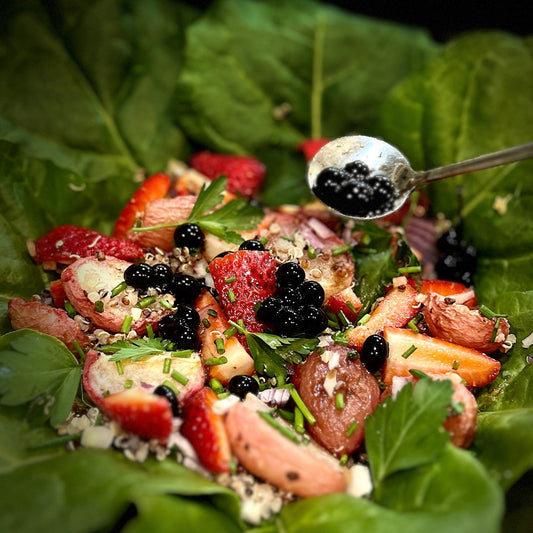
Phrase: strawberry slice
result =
(65, 244)
(245, 174)
(452, 289)
(140, 412)
(435, 356)
(153, 188)
(310, 147)
(347, 302)
(242, 279)
(396, 309)
(206, 431)
(57, 291)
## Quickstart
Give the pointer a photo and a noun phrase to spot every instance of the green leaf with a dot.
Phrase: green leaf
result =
(209, 197)
(33, 364)
(407, 431)
(136, 349)
(266, 360)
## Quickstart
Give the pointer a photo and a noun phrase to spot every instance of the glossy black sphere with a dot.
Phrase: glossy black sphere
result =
(189, 235)
(291, 297)
(374, 352)
(161, 275)
(357, 168)
(290, 275)
(252, 244)
(312, 293)
(167, 326)
(268, 309)
(315, 321)
(138, 276)
(168, 393)
(328, 183)
(288, 322)
(185, 288)
(241, 385)
(188, 314)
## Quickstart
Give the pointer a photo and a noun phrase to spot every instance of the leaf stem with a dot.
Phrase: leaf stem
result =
(317, 84)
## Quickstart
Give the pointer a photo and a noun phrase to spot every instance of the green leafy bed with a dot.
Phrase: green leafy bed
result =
(91, 92)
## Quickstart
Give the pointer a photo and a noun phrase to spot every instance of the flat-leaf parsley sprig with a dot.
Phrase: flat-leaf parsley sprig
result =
(236, 215)
(270, 352)
(137, 349)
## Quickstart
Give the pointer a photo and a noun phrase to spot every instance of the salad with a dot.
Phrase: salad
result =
(136, 283)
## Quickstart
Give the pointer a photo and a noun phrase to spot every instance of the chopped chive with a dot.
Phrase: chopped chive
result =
(179, 377)
(240, 323)
(265, 415)
(257, 306)
(182, 354)
(215, 361)
(408, 352)
(165, 303)
(78, 349)
(486, 312)
(216, 385)
(339, 401)
(223, 394)
(128, 384)
(219, 343)
(343, 318)
(343, 459)
(339, 250)
(69, 308)
(212, 312)
(351, 428)
(232, 330)
(311, 252)
(290, 239)
(301, 405)
(118, 289)
(351, 307)
(298, 421)
(353, 354)
(363, 320)
(412, 324)
(410, 270)
(145, 302)
(333, 325)
(171, 386)
(495, 330)
(166, 365)
(417, 373)
(340, 338)
(126, 324)
(99, 306)
(456, 364)
(206, 323)
(120, 369)
(263, 240)
(231, 295)
(230, 280)
(150, 331)
(286, 415)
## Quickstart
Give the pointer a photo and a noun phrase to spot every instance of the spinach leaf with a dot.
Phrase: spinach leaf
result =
(325, 74)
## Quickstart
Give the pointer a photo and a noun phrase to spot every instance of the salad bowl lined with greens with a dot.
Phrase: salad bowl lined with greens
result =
(91, 95)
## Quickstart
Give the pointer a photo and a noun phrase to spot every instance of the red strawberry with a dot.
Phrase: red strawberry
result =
(242, 279)
(396, 309)
(435, 356)
(58, 293)
(153, 188)
(65, 244)
(140, 412)
(345, 301)
(311, 146)
(245, 174)
(453, 289)
(206, 432)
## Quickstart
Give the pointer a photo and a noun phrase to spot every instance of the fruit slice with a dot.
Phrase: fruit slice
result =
(57, 292)
(303, 469)
(310, 147)
(396, 309)
(435, 356)
(213, 323)
(347, 302)
(242, 279)
(453, 289)
(156, 186)
(206, 432)
(245, 174)
(46, 319)
(65, 244)
(140, 412)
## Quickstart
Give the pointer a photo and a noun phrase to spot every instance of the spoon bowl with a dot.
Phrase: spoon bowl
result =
(383, 159)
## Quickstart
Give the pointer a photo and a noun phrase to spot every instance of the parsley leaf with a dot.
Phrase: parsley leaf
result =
(136, 349)
(407, 431)
(33, 364)
(237, 214)
(270, 352)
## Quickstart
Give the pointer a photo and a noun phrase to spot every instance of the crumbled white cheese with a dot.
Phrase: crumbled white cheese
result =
(528, 341)
(97, 437)
(221, 407)
(360, 483)
(326, 356)
(334, 360)
(509, 343)
(330, 382)
(136, 313)
(399, 281)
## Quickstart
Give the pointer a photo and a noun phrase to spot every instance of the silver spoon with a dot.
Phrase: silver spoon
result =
(384, 159)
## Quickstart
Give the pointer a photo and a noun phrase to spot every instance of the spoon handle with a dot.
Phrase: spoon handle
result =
(494, 159)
